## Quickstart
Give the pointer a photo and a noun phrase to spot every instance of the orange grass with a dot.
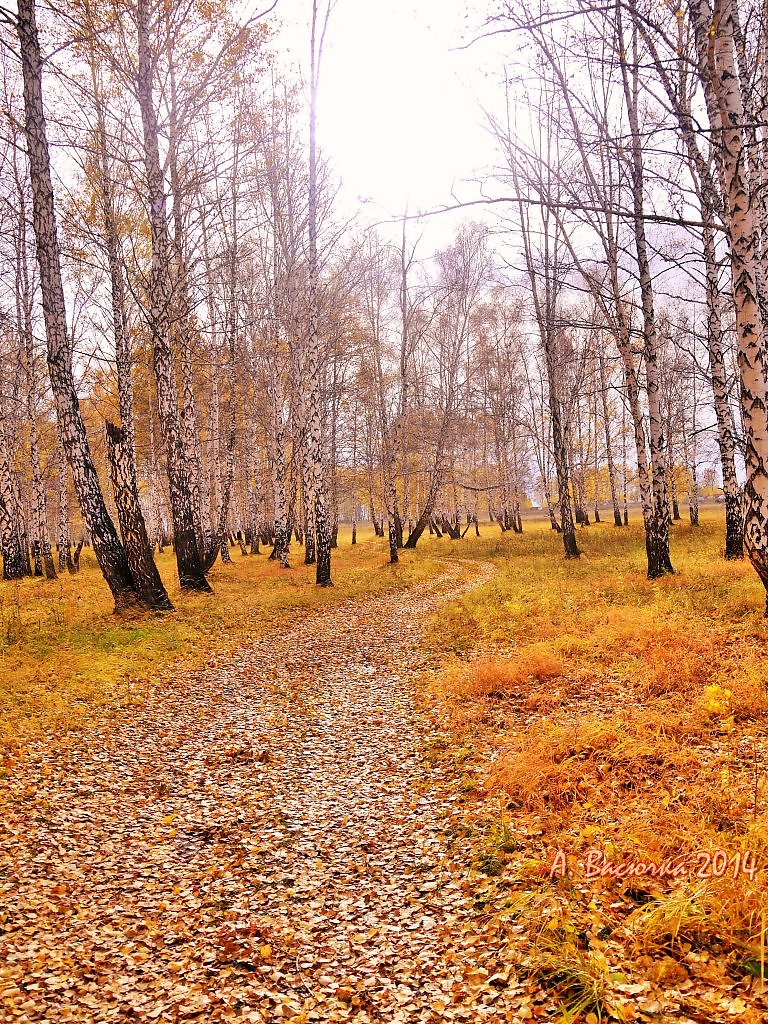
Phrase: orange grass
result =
(614, 713)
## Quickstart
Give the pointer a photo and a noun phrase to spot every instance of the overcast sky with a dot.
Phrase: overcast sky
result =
(399, 110)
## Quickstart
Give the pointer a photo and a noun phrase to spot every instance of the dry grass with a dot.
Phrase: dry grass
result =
(630, 717)
(504, 677)
(65, 658)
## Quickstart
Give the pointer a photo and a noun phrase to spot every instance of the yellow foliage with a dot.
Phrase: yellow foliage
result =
(715, 699)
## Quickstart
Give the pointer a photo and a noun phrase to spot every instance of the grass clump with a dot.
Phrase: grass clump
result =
(504, 678)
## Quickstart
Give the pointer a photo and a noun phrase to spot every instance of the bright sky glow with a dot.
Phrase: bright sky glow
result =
(398, 112)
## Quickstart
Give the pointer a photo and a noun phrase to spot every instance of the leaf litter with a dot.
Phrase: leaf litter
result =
(263, 840)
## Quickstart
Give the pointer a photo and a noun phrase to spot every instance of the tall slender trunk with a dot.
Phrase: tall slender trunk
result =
(40, 535)
(579, 484)
(726, 431)
(226, 477)
(121, 441)
(624, 468)
(711, 203)
(314, 353)
(690, 455)
(596, 459)
(559, 446)
(255, 498)
(64, 541)
(714, 32)
(190, 568)
(154, 497)
(545, 310)
(657, 526)
(378, 532)
(190, 442)
(183, 324)
(307, 501)
(277, 460)
(116, 279)
(388, 467)
(109, 552)
(39, 506)
(608, 446)
(673, 500)
(353, 495)
(15, 560)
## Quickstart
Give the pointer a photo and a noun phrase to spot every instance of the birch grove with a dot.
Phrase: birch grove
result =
(203, 348)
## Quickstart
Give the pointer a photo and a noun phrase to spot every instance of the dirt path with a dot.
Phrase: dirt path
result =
(269, 844)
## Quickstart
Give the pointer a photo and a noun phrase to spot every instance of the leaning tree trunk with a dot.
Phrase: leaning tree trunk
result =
(433, 487)
(131, 518)
(190, 568)
(716, 51)
(109, 552)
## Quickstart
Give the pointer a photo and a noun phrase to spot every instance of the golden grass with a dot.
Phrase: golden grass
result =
(65, 657)
(505, 677)
(616, 713)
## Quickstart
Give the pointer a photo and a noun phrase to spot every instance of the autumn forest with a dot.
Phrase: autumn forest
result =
(384, 595)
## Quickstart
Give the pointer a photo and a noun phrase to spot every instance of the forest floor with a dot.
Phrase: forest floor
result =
(66, 660)
(320, 811)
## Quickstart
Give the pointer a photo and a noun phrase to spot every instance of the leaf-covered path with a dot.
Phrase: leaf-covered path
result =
(265, 843)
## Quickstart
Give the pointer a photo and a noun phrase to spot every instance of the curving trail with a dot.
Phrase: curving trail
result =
(267, 843)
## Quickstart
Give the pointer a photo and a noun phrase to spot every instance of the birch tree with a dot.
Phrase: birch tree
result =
(107, 546)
